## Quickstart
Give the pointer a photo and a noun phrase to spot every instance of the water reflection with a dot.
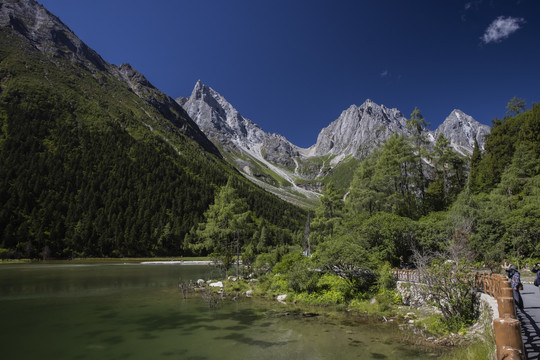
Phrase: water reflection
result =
(138, 312)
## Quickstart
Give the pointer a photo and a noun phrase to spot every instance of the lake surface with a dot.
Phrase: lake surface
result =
(133, 311)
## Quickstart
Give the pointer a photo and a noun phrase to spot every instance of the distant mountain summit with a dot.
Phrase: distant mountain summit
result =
(277, 164)
(269, 160)
(461, 130)
(359, 130)
(222, 123)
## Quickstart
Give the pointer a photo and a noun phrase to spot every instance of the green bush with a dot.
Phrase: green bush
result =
(386, 278)
(263, 264)
(460, 306)
(277, 285)
(287, 262)
(439, 326)
(333, 283)
(325, 298)
(302, 277)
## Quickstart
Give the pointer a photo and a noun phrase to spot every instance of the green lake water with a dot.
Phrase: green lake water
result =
(131, 311)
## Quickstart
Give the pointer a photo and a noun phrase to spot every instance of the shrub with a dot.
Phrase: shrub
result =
(333, 283)
(386, 278)
(449, 288)
(325, 297)
(287, 262)
(263, 264)
(302, 278)
(277, 285)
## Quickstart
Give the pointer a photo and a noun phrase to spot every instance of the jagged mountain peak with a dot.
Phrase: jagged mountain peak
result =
(200, 87)
(359, 129)
(218, 118)
(223, 124)
(47, 33)
(459, 115)
(462, 129)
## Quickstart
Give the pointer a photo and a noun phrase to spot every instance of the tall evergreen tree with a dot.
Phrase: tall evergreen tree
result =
(475, 182)
(364, 193)
(515, 106)
(449, 169)
(417, 125)
(224, 231)
(327, 215)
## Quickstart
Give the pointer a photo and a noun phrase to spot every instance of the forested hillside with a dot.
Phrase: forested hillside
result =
(398, 204)
(88, 168)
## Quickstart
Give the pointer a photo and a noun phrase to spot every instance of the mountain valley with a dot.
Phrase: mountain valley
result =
(298, 174)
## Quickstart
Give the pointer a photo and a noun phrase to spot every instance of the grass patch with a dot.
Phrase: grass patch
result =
(14, 261)
(477, 351)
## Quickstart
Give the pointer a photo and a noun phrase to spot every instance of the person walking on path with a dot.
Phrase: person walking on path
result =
(536, 269)
(515, 283)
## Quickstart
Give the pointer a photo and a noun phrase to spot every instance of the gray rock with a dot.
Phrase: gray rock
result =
(359, 130)
(223, 124)
(461, 130)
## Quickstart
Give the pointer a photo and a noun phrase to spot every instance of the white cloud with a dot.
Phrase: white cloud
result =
(385, 73)
(501, 28)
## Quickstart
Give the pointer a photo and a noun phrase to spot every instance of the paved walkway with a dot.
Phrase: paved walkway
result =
(530, 321)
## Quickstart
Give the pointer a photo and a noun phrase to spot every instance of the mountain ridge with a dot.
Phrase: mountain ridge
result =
(392, 118)
(47, 33)
(354, 134)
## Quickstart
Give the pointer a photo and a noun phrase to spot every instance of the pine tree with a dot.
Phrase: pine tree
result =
(327, 215)
(475, 181)
(225, 228)
(417, 125)
(515, 106)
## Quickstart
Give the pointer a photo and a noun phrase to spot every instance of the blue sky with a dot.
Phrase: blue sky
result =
(293, 66)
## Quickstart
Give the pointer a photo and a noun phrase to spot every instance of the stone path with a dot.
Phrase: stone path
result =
(530, 320)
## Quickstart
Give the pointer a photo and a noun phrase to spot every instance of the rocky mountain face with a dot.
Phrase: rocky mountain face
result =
(461, 130)
(53, 38)
(48, 34)
(357, 132)
(221, 122)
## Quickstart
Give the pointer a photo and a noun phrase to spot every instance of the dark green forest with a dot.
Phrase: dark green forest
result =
(87, 168)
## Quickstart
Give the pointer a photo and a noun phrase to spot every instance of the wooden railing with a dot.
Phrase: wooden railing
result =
(406, 275)
(507, 328)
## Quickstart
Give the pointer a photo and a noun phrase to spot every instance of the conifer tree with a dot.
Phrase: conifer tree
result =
(224, 230)
(327, 215)
(475, 182)
(417, 125)
(515, 106)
